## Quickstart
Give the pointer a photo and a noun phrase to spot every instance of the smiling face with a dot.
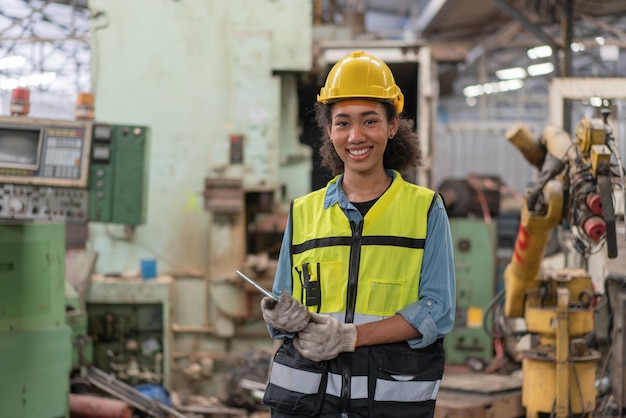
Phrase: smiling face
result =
(359, 130)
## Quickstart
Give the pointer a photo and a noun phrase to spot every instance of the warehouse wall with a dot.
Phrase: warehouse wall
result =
(198, 72)
(195, 72)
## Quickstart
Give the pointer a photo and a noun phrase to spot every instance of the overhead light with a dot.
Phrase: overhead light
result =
(471, 101)
(492, 88)
(510, 85)
(600, 40)
(537, 52)
(13, 61)
(473, 90)
(540, 69)
(577, 47)
(595, 101)
(609, 52)
(39, 79)
(511, 73)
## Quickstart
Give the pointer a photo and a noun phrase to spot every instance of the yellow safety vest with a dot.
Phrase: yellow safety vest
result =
(366, 272)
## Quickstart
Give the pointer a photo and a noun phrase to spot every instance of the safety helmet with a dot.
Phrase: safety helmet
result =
(361, 75)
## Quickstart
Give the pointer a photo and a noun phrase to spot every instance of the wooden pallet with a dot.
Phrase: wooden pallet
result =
(479, 395)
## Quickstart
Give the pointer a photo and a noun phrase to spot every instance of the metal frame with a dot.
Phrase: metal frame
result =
(578, 88)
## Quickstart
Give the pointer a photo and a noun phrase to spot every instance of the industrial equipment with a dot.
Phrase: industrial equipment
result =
(71, 171)
(35, 342)
(575, 189)
(483, 236)
(475, 270)
(45, 184)
(129, 320)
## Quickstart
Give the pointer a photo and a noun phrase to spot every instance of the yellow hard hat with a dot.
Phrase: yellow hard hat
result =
(361, 75)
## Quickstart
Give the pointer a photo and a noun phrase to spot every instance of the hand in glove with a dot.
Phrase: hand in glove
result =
(286, 314)
(325, 337)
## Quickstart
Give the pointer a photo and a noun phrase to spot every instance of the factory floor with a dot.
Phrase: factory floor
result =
(469, 394)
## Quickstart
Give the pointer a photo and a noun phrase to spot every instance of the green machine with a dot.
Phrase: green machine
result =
(476, 271)
(45, 184)
(117, 174)
(35, 342)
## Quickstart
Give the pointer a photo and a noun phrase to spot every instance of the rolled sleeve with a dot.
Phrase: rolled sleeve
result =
(433, 314)
(421, 318)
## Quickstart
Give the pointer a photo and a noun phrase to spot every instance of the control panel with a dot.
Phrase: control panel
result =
(118, 176)
(44, 152)
(74, 171)
(23, 202)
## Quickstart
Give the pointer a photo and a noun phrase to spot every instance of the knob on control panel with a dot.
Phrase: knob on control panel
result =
(16, 205)
(43, 203)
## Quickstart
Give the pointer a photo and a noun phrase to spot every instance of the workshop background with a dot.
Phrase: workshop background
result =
(120, 297)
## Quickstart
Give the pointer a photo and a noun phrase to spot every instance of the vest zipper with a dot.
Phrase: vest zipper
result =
(353, 270)
(353, 280)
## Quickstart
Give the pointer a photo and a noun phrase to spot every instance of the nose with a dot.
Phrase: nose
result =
(356, 134)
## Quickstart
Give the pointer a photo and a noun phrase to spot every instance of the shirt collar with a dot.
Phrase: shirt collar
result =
(335, 194)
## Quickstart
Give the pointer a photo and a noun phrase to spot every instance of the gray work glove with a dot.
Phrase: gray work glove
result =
(287, 314)
(325, 337)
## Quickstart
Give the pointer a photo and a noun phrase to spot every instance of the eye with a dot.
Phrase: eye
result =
(341, 123)
(371, 121)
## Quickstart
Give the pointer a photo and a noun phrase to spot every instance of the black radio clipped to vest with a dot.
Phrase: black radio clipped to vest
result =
(312, 286)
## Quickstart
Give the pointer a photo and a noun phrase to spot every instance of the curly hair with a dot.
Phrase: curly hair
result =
(403, 150)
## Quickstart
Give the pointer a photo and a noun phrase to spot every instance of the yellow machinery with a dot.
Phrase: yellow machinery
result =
(574, 188)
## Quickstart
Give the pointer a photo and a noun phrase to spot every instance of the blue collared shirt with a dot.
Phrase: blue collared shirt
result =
(433, 314)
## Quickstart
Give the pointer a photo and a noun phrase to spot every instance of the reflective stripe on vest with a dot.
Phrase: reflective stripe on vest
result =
(390, 250)
(358, 318)
(401, 390)
(406, 391)
(294, 379)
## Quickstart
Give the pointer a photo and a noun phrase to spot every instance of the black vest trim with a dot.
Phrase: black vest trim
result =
(432, 203)
(416, 243)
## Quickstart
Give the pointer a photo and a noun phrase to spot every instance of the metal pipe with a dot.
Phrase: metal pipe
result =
(567, 29)
(89, 406)
(193, 329)
(562, 377)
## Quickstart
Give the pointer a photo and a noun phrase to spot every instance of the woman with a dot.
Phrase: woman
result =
(366, 272)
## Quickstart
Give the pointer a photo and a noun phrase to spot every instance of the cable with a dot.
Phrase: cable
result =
(615, 152)
(490, 308)
(474, 182)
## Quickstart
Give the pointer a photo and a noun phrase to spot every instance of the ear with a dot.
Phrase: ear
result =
(328, 130)
(394, 124)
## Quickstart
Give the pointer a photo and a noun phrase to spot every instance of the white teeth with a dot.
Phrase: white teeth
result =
(359, 151)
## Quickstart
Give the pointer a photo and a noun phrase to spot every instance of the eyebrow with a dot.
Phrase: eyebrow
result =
(366, 113)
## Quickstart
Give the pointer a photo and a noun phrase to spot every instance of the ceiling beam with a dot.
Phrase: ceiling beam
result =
(502, 36)
(84, 4)
(603, 25)
(531, 27)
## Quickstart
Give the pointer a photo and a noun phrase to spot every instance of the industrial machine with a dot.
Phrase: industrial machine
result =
(575, 190)
(130, 325)
(473, 205)
(473, 240)
(54, 173)
(72, 171)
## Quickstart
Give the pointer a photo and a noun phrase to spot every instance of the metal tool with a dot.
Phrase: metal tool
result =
(258, 286)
